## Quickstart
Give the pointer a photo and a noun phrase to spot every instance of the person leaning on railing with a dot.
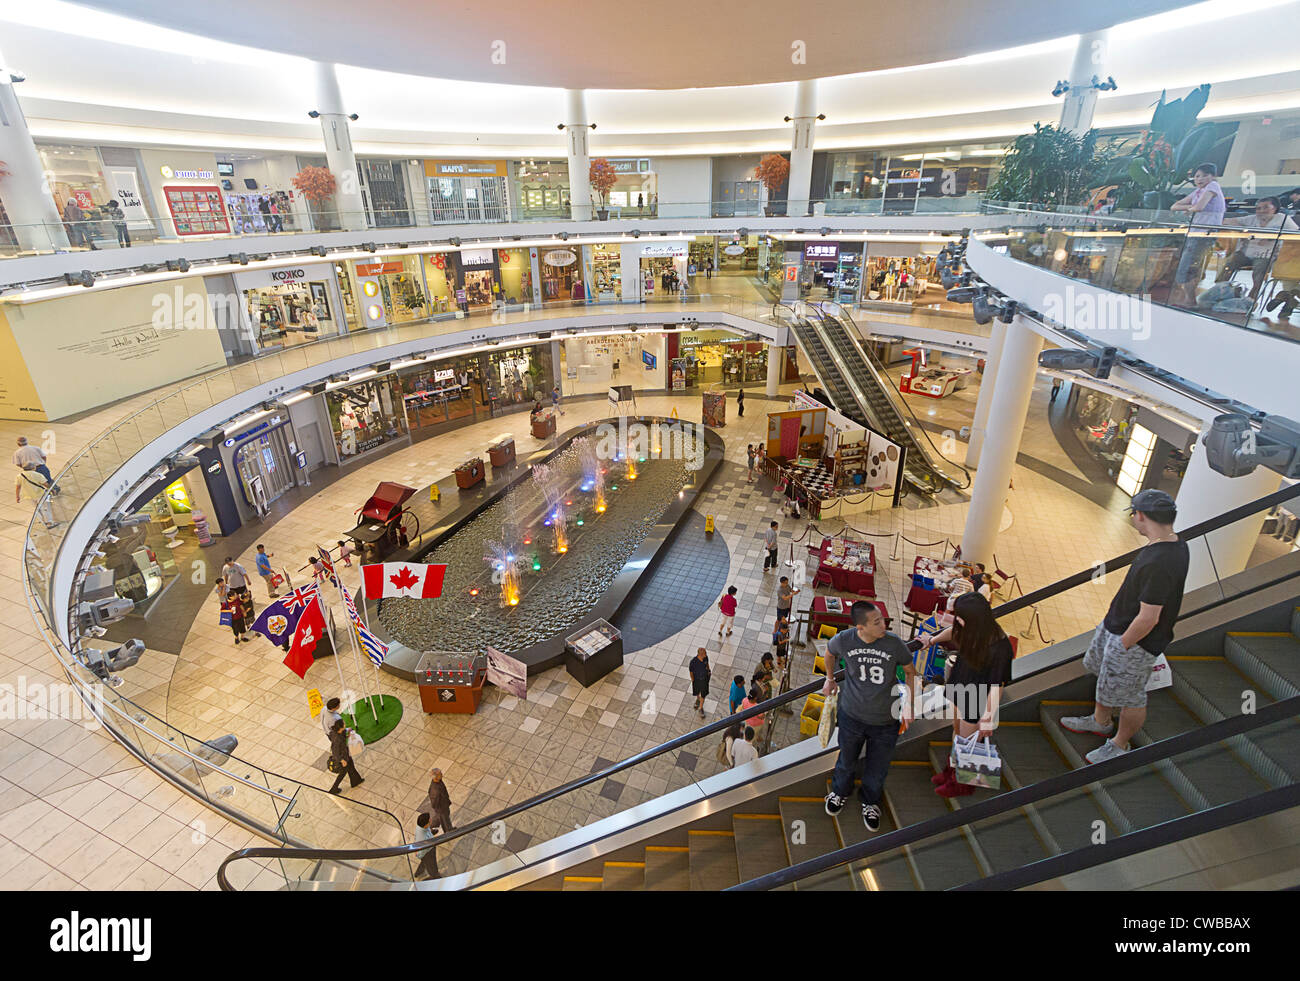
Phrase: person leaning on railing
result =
(1206, 206)
(1256, 252)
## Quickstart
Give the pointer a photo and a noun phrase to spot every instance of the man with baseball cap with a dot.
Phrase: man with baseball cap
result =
(1138, 627)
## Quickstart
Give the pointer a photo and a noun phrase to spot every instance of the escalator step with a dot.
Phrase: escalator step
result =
(1213, 690)
(1027, 757)
(760, 844)
(581, 883)
(1271, 659)
(941, 861)
(1213, 771)
(713, 860)
(1143, 797)
(1005, 842)
(623, 876)
(814, 835)
(667, 868)
(885, 872)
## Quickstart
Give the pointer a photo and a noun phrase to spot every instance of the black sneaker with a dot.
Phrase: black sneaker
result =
(834, 803)
(871, 817)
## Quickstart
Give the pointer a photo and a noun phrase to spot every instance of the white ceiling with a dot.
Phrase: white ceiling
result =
(666, 44)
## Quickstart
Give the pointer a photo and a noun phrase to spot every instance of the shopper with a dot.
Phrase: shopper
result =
(769, 543)
(319, 572)
(735, 733)
(263, 563)
(740, 404)
(439, 801)
(118, 218)
(237, 579)
(32, 458)
(341, 758)
(235, 606)
(700, 673)
(785, 594)
(728, 607)
(1137, 628)
(428, 867)
(555, 399)
(975, 678)
(708, 268)
(1056, 390)
(1256, 254)
(752, 698)
(737, 694)
(1205, 205)
(34, 491)
(330, 716)
(751, 457)
(76, 221)
(867, 715)
(781, 640)
(743, 750)
(346, 551)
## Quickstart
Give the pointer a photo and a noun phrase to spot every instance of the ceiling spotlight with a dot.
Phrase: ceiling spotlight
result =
(454, 240)
(178, 265)
(240, 258)
(1061, 88)
(318, 250)
(983, 306)
(314, 114)
(368, 246)
(825, 231)
(84, 278)
(353, 116)
(564, 236)
(636, 233)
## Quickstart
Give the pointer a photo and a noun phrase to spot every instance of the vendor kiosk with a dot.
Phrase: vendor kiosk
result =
(469, 473)
(450, 683)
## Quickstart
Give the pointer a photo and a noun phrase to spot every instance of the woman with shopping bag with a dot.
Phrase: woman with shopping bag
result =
(974, 678)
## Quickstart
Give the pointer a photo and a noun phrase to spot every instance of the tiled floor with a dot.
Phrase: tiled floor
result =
(56, 779)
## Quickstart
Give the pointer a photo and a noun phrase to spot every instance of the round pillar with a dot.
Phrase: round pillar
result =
(801, 148)
(985, 397)
(32, 211)
(336, 134)
(775, 356)
(1089, 63)
(1015, 385)
(577, 128)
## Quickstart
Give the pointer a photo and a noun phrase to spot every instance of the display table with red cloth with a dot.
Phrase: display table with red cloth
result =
(925, 601)
(860, 581)
(818, 614)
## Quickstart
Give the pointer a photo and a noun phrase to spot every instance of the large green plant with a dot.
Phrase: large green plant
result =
(1148, 167)
(1048, 166)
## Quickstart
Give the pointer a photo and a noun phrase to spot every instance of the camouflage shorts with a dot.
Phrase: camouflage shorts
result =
(1122, 673)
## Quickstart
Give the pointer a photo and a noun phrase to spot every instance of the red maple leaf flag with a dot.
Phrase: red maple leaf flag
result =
(403, 579)
(311, 627)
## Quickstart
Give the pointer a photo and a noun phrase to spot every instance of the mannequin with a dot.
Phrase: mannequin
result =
(348, 427)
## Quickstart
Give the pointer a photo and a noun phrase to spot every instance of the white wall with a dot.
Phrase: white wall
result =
(684, 184)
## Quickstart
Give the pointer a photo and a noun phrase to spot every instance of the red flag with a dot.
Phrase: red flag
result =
(408, 579)
(311, 627)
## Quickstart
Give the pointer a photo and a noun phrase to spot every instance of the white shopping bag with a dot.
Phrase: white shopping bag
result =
(1161, 676)
(356, 745)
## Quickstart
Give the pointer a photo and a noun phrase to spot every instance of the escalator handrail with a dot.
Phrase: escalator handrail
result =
(721, 725)
(1144, 839)
(1278, 711)
(878, 371)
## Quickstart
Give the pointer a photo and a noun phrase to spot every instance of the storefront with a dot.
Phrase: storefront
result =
(515, 272)
(771, 263)
(636, 189)
(561, 274)
(440, 279)
(142, 560)
(388, 291)
(1138, 447)
(93, 176)
(366, 416)
(478, 279)
(899, 279)
(259, 193)
(606, 272)
(466, 190)
(720, 357)
(518, 376)
(442, 395)
(383, 190)
(541, 188)
(662, 270)
(591, 364)
(291, 306)
(831, 271)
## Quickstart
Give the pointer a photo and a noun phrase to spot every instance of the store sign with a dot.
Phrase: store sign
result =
(819, 251)
(126, 189)
(672, 250)
(559, 257)
(792, 274)
(186, 175)
(273, 421)
(630, 166)
(475, 257)
(464, 168)
(444, 374)
(375, 268)
(735, 248)
(289, 275)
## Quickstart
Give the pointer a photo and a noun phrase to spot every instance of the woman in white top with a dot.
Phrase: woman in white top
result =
(1206, 206)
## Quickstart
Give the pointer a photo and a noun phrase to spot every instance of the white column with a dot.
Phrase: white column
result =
(801, 148)
(339, 157)
(27, 198)
(775, 359)
(1015, 384)
(985, 398)
(576, 126)
(1202, 495)
(1081, 100)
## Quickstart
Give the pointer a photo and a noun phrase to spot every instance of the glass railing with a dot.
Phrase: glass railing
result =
(1231, 272)
(93, 234)
(481, 851)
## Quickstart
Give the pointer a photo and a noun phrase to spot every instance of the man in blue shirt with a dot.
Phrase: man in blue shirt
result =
(264, 570)
(867, 714)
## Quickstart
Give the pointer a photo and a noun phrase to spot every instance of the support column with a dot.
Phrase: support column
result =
(1015, 385)
(801, 148)
(1089, 64)
(1202, 495)
(577, 127)
(340, 159)
(30, 205)
(775, 359)
(987, 383)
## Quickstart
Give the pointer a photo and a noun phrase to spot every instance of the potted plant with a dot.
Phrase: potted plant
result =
(1048, 166)
(316, 184)
(773, 170)
(602, 177)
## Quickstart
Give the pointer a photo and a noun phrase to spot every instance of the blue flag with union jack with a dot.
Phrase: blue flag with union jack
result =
(375, 648)
(280, 619)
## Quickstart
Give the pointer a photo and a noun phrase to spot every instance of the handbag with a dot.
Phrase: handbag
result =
(225, 619)
(334, 765)
(826, 724)
(276, 580)
(976, 762)
(1161, 676)
(722, 752)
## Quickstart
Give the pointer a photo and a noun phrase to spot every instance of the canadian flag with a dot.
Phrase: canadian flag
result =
(407, 579)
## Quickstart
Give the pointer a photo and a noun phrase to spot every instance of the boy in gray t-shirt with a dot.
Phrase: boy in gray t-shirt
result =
(866, 713)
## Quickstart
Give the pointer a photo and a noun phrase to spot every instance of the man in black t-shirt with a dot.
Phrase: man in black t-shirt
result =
(1138, 627)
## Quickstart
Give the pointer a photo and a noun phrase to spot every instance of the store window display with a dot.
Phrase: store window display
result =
(442, 394)
(1103, 424)
(516, 275)
(542, 188)
(289, 314)
(142, 560)
(718, 357)
(606, 273)
(561, 274)
(478, 277)
(439, 274)
(518, 376)
(365, 417)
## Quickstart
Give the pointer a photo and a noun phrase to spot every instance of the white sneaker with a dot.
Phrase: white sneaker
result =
(1106, 751)
(1086, 725)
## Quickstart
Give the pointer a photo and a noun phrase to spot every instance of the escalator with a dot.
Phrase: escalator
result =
(858, 388)
(1219, 747)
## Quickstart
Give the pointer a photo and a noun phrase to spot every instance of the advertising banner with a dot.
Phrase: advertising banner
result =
(124, 186)
(508, 673)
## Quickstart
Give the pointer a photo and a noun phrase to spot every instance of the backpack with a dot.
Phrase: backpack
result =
(722, 752)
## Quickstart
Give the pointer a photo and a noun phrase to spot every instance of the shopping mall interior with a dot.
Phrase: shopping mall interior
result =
(517, 464)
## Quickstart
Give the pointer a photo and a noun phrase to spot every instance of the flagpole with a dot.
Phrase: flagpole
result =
(324, 615)
(337, 576)
(365, 618)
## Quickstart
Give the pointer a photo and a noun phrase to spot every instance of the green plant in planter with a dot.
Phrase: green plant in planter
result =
(413, 300)
(1149, 166)
(1048, 166)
